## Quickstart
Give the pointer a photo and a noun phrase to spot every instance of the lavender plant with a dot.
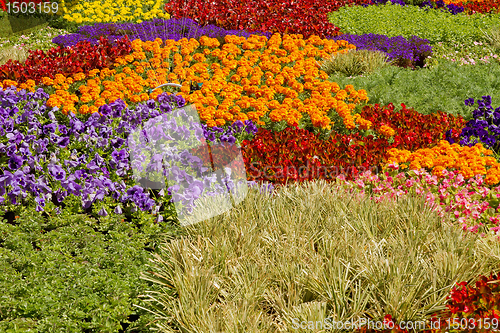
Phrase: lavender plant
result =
(401, 51)
(175, 29)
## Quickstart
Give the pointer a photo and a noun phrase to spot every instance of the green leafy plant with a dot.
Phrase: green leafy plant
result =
(414, 2)
(443, 87)
(73, 273)
(16, 46)
(355, 62)
(395, 20)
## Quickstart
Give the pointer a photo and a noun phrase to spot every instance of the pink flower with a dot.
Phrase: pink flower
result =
(473, 229)
(496, 230)
(393, 165)
(409, 183)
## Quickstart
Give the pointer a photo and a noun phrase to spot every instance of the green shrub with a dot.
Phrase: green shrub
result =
(414, 2)
(355, 62)
(60, 23)
(395, 20)
(440, 88)
(72, 273)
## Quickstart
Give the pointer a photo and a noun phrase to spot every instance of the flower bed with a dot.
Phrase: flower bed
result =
(63, 131)
(305, 17)
(46, 160)
(173, 29)
(81, 58)
(273, 82)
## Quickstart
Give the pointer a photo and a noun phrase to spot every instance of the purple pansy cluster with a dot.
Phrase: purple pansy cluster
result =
(174, 146)
(451, 8)
(163, 147)
(49, 158)
(234, 133)
(483, 127)
(175, 29)
(404, 51)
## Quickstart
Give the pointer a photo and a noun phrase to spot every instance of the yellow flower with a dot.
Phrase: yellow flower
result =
(386, 131)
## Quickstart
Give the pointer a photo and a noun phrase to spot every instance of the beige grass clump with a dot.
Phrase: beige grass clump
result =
(312, 253)
(355, 62)
(13, 53)
(493, 37)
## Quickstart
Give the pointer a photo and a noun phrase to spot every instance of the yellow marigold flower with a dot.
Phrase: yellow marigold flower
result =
(78, 76)
(94, 72)
(386, 131)
(47, 81)
(84, 109)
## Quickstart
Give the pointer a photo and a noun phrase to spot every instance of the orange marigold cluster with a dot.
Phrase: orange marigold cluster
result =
(246, 78)
(469, 161)
(386, 131)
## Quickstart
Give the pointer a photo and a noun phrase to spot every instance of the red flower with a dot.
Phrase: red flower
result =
(306, 17)
(82, 57)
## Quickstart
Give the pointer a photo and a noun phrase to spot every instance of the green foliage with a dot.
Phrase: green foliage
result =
(73, 273)
(414, 2)
(20, 23)
(38, 39)
(60, 23)
(395, 20)
(471, 53)
(440, 88)
(355, 62)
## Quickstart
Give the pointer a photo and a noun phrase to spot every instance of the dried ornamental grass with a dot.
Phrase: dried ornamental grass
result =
(308, 253)
(493, 37)
(12, 53)
(356, 62)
